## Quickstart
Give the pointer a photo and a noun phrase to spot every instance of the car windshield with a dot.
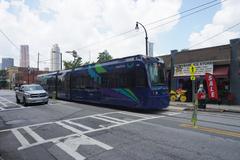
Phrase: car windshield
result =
(156, 73)
(33, 88)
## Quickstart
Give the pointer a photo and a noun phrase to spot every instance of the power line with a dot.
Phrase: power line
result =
(9, 40)
(154, 22)
(215, 35)
(155, 27)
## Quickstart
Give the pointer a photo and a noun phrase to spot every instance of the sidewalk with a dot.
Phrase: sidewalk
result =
(209, 107)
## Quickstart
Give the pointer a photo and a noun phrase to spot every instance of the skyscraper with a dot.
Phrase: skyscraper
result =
(24, 56)
(55, 58)
(7, 62)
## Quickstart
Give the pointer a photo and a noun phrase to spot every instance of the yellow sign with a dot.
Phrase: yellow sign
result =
(193, 78)
(192, 69)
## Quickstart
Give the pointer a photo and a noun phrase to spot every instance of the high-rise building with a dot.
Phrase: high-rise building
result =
(24, 56)
(0, 66)
(7, 62)
(150, 49)
(55, 58)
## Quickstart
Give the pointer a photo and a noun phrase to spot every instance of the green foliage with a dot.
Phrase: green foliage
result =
(103, 57)
(73, 64)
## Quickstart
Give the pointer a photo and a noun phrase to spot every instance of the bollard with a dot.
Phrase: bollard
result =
(194, 114)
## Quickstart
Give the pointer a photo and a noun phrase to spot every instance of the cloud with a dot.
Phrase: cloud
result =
(75, 23)
(226, 17)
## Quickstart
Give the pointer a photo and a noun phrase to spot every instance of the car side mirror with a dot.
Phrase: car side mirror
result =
(16, 88)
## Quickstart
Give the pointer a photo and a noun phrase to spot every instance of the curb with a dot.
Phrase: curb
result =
(190, 108)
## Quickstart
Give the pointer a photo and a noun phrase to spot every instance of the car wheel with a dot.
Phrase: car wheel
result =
(24, 102)
(17, 100)
(46, 102)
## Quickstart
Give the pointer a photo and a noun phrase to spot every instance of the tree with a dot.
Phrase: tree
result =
(73, 64)
(103, 57)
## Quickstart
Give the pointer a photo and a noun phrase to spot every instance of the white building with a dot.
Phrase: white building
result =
(55, 58)
(24, 56)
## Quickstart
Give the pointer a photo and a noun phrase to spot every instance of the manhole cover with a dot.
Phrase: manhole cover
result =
(15, 121)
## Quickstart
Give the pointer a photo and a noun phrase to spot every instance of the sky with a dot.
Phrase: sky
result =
(92, 26)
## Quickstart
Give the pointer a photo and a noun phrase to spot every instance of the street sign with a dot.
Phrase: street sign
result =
(193, 78)
(192, 69)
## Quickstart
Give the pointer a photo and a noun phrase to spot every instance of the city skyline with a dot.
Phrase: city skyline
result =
(170, 25)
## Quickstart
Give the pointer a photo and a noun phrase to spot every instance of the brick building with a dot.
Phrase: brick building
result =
(222, 61)
(22, 75)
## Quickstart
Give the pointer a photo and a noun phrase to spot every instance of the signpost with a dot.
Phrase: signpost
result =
(192, 71)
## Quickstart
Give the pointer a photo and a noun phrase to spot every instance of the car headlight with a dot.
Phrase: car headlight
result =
(28, 95)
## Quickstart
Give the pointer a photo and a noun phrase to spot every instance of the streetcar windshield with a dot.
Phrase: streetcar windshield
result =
(156, 74)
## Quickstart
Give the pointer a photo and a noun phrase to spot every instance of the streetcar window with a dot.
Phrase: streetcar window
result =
(156, 73)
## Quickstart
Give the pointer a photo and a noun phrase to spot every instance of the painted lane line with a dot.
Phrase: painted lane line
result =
(52, 122)
(137, 114)
(96, 130)
(33, 134)
(20, 138)
(106, 120)
(5, 99)
(70, 128)
(213, 130)
(3, 104)
(11, 109)
(69, 151)
(111, 118)
(79, 125)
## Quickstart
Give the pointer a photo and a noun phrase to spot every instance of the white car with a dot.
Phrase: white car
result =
(32, 93)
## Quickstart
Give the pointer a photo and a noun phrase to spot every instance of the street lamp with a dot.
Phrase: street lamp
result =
(146, 37)
(74, 53)
(75, 56)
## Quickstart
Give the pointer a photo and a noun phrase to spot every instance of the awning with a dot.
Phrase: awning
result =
(221, 71)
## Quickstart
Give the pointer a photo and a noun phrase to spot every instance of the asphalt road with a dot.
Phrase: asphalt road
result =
(72, 131)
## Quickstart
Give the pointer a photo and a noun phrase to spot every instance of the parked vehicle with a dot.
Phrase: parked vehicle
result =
(29, 94)
(178, 95)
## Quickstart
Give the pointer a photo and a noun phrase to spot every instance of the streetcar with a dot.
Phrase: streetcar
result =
(135, 81)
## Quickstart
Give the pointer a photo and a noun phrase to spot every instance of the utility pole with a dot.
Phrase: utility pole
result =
(38, 62)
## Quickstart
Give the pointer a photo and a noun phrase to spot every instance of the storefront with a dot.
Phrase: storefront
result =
(221, 61)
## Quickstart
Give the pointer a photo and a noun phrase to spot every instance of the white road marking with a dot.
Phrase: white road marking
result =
(70, 151)
(69, 128)
(137, 115)
(115, 119)
(71, 144)
(33, 134)
(80, 125)
(3, 104)
(20, 137)
(106, 120)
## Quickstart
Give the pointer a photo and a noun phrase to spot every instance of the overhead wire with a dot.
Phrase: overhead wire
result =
(157, 21)
(215, 35)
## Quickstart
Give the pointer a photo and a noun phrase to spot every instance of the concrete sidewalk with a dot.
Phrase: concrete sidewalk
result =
(209, 107)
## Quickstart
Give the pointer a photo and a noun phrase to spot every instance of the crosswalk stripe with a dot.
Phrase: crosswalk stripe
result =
(80, 125)
(33, 134)
(20, 137)
(70, 128)
(106, 120)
